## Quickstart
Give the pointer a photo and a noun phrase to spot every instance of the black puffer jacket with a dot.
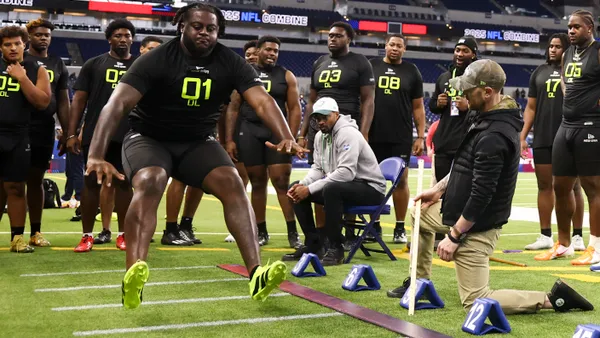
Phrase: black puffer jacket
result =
(484, 174)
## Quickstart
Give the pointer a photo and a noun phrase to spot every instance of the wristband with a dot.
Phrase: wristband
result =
(70, 137)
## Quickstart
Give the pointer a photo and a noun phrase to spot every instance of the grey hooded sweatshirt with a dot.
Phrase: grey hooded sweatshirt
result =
(343, 156)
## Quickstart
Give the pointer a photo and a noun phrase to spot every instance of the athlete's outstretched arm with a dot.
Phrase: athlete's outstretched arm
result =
(367, 108)
(293, 103)
(121, 102)
(265, 107)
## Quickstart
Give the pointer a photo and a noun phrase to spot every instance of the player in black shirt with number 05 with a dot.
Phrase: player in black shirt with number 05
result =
(175, 93)
(24, 90)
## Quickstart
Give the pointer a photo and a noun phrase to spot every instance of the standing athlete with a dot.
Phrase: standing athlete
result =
(346, 77)
(576, 147)
(544, 113)
(24, 90)
(175, 112)
(261, 162)
(97, 79)
(398, 102)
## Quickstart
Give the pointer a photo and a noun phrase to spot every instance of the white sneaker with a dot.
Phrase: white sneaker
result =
(578, 244)
(541, 243)
(595, 267)
(230, 239)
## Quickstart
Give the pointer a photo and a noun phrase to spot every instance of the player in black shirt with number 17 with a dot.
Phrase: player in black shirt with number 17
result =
(176, 91)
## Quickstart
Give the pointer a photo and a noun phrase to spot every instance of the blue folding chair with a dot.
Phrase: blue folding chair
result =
(392, 169)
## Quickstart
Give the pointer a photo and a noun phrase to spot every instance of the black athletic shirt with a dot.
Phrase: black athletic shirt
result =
(341, 79)
(59, 78)
(181, 95)
(15, 110)
(275, 84)
(582, 84)
(98, 77)
(395, 88)
(544, 86)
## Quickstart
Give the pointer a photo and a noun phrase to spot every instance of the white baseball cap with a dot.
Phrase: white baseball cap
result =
(325, 106)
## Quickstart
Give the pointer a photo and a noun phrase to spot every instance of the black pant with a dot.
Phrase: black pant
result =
(443, 163)
(333, 196)
(74, 171)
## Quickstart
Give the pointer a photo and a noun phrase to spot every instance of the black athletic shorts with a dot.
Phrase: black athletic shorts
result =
(387, 150)
(542, 155)
(41, 138)
(188, 162)
(575, 151)
(252, 150)
(113, 155)
(15, 158)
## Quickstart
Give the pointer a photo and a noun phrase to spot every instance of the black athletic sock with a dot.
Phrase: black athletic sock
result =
(262, 227)
(35, 227)
(186, 223)
(548, 232)
(577, 232)
(377, 226)
(253, 271)
(291, 226)
(399, 225)
(16, 231)
(172, 227)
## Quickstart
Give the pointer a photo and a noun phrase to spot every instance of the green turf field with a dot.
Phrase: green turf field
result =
(202, 300)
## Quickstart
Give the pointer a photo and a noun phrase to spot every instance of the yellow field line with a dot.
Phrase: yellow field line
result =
(579, 277)
(277, 249)
(531, 252)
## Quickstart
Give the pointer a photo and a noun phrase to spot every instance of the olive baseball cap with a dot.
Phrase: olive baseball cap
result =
(480, 73)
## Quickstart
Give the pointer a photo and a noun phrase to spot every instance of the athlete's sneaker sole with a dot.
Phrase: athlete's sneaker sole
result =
(266, 279)
(133, 284)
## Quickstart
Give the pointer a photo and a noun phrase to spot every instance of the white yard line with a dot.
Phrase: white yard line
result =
(204, 324)
(161, 302)
(111, 271)
(116, 286)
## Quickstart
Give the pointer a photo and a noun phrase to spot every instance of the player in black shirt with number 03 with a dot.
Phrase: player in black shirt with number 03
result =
(95, 84)
(24, 90)
(398, 102)
(175, 93)
(576, 146)
(544, 113)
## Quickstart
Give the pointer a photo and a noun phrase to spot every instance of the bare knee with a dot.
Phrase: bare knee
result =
(281, 182)
(15, 189)
(150, 182)
(545, 185)
(258, 181)
(563, 187)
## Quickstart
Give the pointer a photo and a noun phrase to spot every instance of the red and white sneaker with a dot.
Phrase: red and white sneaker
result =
(86, 244)
(121, 242)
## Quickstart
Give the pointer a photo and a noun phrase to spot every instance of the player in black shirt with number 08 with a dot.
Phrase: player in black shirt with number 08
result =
(544, 113)
(24, 90)
(176, 111)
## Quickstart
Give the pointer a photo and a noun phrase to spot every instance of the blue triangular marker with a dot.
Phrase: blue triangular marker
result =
(482, 309)
(307, 258)
(424, 288)
(587, 331)
(357, 273)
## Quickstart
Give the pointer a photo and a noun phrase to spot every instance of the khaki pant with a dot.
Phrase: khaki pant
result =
(471, 260)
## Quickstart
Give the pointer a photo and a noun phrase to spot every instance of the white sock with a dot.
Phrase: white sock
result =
(593, 241)
(88, 234)
(120, 233)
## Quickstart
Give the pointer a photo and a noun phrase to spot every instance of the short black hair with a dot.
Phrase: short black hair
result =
(13, 32)
(250, 44)
(564, 41)
(119, 24)
(268, 38)
(149, 39)
(346, 26)
(37, 23)
(183, 14)
(399, 36)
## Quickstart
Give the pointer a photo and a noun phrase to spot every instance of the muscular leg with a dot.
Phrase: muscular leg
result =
(280, 178)
(545, 197)
(258, 179)
(123, 196)
(591, 186)
(401, 197)
(579, 206)
(174, 200)
(140, 223)
(107, 205)
(241, 168)
(90, 198)
(565, 207)
(193, 196)
(17, 203)
(226, 185)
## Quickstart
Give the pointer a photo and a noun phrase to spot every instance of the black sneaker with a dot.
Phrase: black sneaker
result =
(294, 240)
(152, 240)
(564, 298)
(77, 216)
(347, 246)
(103, 237)
(400, 236)
(189, 235)
(296, 255)
(263, 238)
(333, 257)
(399, 291)
(170, 238)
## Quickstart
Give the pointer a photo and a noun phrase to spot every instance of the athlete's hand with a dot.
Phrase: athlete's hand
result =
(231, 149)
(16, 71)
(104, 170)
(462, 104)
(446, 249)
(524, 148)
(417, 148)
(289, 147)
(302, 142)
(429, 197)
(62, 145)
(442, 100)
(74, 145)
(298, 193)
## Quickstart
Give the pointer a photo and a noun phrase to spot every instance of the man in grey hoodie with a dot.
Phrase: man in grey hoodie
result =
(345, 172)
